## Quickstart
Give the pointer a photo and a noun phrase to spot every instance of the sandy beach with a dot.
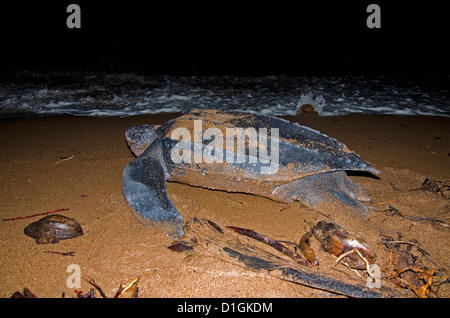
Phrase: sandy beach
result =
(76, 163)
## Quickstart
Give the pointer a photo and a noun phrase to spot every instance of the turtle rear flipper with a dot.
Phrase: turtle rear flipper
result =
(334, 188)
(144, 187)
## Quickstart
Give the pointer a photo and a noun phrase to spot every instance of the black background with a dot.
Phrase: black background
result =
(227, 37)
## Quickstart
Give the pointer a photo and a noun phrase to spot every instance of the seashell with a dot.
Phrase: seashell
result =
(53, 228)
(337, 241)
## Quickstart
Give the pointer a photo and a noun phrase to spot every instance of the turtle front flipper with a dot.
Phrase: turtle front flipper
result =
(144, 187)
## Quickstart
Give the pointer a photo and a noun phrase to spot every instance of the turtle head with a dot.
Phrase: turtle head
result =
(140, 137)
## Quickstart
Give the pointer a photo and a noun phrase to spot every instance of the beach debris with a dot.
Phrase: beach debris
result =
(25, 294)
(391, 211)
(412, 280)
(307, 109)
(130, 289)
(181, 246)
(310, 167)
(242, 247)
(64, 158)
(307, 251)
(71, 253)
(267, 240)
(406, 270)
(53, 228)
(33, 215)
(436, 186)
(344, 245)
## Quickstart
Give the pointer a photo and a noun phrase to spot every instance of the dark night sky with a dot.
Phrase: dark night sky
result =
(227, 37)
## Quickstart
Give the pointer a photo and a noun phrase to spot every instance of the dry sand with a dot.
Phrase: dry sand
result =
(116, 248)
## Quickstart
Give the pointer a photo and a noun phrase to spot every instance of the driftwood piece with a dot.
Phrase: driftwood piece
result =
(267, 240)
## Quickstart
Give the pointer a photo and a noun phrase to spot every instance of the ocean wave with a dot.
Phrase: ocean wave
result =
(129, 94)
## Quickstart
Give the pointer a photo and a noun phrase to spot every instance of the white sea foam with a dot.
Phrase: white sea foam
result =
(128, 94)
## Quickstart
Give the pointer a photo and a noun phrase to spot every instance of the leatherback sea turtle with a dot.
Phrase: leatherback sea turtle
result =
(237, 152)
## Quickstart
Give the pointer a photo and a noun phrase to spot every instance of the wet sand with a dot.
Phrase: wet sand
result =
(116, 248)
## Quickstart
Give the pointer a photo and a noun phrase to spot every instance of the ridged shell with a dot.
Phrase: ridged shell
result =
(53, 228)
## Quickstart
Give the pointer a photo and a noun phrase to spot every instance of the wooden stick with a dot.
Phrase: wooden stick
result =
(33, 215)
(267, 240)
(64, 159)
